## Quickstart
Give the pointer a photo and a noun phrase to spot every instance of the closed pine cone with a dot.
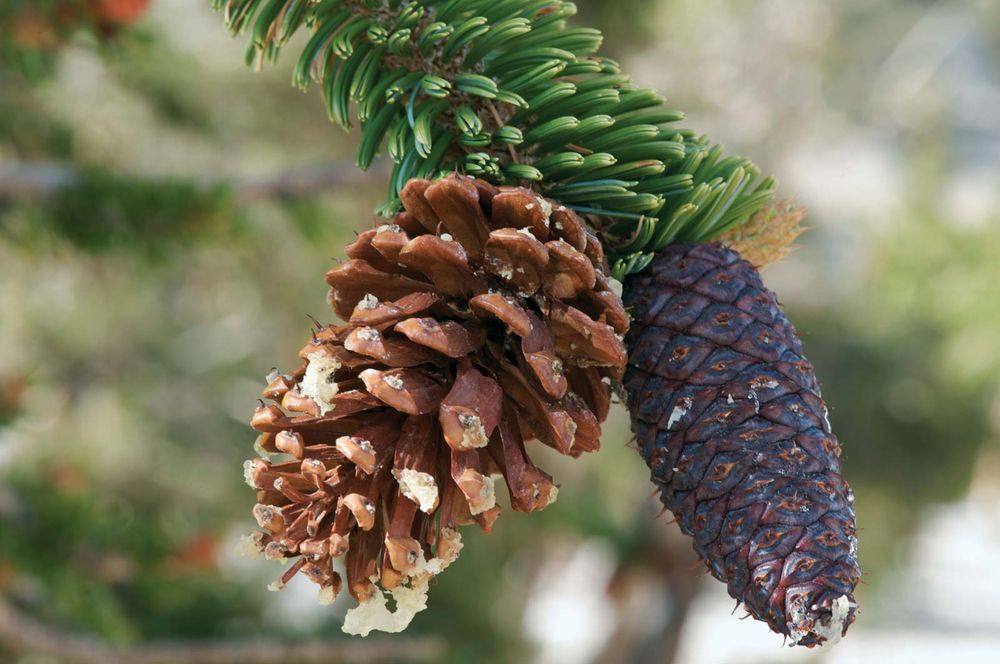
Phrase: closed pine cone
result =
(730, 420)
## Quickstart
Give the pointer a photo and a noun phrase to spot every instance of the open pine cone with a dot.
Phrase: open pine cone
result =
(478, 319)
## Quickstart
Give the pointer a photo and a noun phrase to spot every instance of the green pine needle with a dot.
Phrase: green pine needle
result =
(505, 90)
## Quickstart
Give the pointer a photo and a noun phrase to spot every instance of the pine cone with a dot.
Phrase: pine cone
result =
(730, 420)
(479, 319)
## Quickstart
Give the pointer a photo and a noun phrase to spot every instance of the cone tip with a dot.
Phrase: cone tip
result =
(826, 631)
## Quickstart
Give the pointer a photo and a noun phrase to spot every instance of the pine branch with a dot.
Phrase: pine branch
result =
(25, 635)
(42, 180)
(506, 90)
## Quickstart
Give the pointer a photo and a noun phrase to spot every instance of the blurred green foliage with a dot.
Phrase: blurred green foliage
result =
(111, 563)
(26, 132)
(911, 369)
(36, 30)
(102, 211)
(161, 76)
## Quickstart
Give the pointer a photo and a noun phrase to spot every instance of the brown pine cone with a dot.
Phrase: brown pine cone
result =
(480, 318)
(730, 420)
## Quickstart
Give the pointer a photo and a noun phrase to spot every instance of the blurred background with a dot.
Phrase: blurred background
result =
(166, 218)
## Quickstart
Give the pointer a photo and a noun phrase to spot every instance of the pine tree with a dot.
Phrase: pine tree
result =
(530, 178)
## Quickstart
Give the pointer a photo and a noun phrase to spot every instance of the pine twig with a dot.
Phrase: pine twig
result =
(34, 180)
(23, 634)
(39, 181)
